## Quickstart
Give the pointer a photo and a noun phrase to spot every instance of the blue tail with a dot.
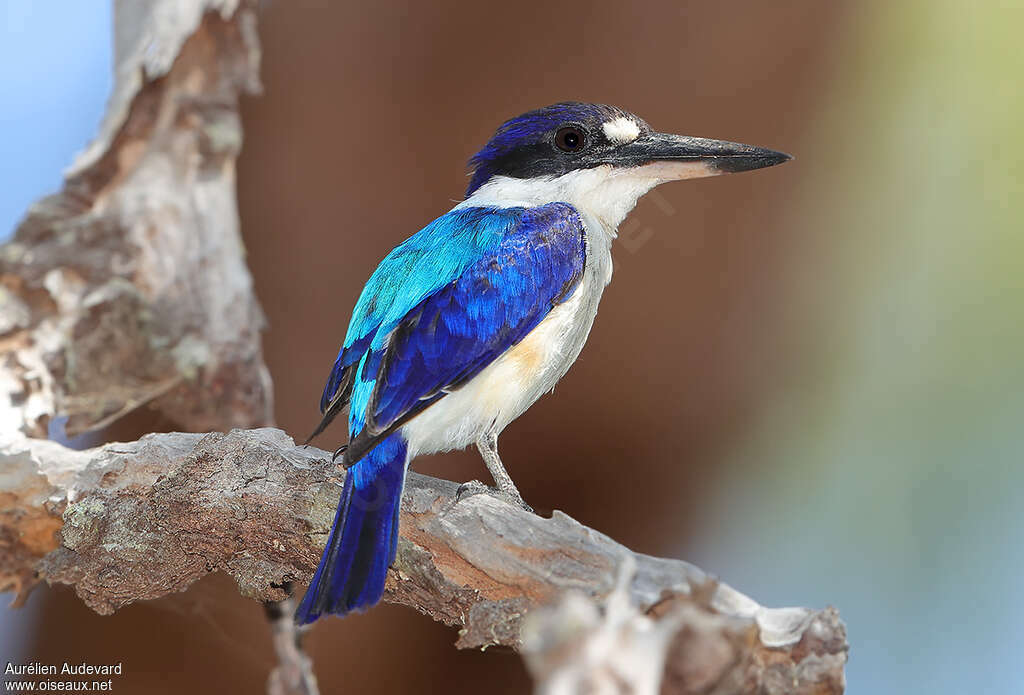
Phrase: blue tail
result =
(364, 536)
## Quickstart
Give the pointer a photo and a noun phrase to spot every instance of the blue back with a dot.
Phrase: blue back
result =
(444, 304)
(429, 259)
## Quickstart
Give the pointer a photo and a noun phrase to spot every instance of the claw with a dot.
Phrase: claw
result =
(470, 488)
(475, 487)
(338, 452)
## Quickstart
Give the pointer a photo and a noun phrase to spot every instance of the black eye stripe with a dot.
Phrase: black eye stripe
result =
(570, 138)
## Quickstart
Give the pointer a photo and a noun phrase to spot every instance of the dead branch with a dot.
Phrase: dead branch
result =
(143, 519)
(293, 674)
(129, 286)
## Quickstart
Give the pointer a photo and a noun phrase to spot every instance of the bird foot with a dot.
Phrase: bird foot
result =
(475, 487)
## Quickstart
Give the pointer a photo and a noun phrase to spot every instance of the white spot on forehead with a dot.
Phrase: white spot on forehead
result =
(621, 130)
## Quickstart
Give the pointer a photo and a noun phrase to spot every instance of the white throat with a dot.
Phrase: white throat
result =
(604, 193)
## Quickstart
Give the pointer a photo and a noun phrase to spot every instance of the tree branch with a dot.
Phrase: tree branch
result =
(147, 518)
(293, 674)
(129, 286)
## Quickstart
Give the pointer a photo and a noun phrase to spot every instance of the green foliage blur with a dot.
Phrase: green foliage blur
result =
(885, 473)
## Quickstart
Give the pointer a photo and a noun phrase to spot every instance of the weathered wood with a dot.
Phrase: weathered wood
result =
(129, 286)
(144, 519)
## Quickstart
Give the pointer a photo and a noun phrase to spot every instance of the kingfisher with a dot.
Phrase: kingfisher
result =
(465, 324)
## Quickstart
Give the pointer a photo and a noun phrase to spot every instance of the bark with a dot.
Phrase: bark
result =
(129, 286)
(143, 519)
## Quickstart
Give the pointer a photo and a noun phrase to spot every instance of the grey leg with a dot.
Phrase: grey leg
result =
(488, 446)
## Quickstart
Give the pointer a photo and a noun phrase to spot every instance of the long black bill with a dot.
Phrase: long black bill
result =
(685, 157)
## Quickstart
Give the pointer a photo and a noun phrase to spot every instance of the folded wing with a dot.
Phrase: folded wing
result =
(513, 265)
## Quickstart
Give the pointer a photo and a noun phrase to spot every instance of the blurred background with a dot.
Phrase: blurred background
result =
(807, 380)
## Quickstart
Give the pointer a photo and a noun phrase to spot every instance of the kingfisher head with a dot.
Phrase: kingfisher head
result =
(597, 157)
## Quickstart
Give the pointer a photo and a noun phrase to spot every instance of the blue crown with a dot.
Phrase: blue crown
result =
(524, 139)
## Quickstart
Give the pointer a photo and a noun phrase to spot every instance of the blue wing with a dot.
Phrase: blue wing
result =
(419, 266)
(446, 303)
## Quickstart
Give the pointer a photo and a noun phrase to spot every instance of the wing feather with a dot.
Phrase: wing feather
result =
(451, 334)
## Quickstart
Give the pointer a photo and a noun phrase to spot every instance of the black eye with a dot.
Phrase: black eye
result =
(570, 139)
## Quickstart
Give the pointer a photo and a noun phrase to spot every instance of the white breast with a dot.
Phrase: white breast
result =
(513, 382)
